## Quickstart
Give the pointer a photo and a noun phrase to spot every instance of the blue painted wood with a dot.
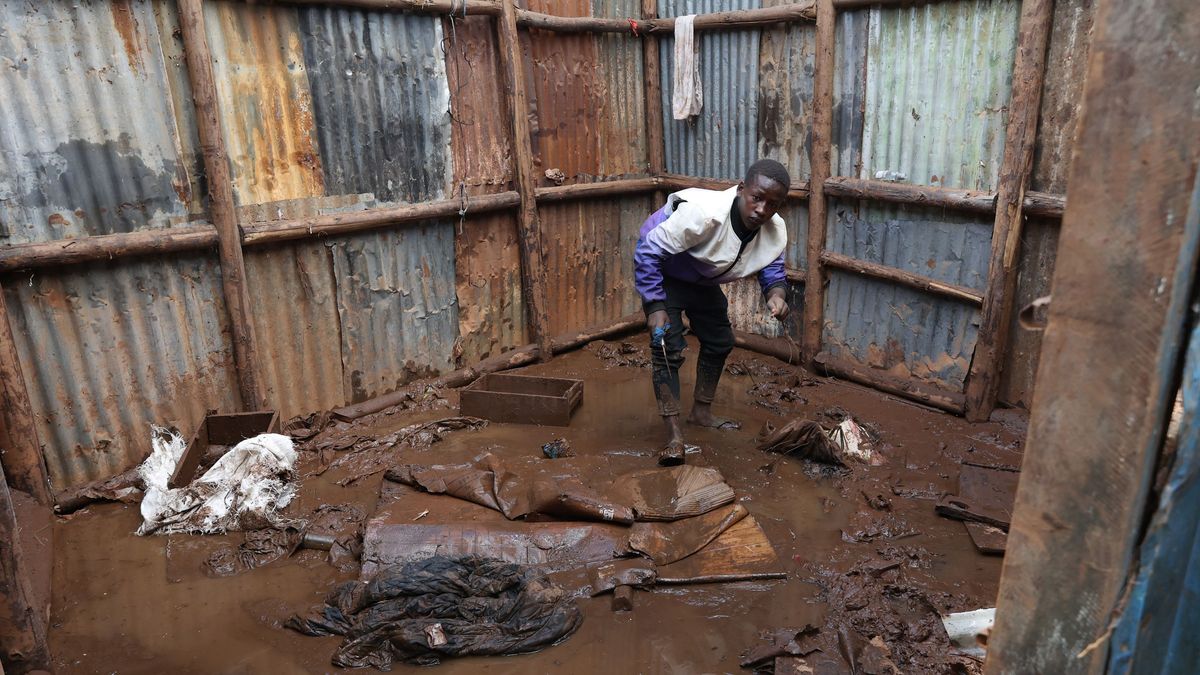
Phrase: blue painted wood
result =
(1157, 632)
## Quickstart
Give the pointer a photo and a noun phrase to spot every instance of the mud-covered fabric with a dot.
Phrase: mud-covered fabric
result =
(423, 611)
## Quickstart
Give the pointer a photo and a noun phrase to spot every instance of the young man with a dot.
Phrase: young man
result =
(685, 251)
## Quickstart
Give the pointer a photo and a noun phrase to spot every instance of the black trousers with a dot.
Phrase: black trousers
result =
(707, 310)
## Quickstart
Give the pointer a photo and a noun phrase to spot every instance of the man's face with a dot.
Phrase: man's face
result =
(759, 200)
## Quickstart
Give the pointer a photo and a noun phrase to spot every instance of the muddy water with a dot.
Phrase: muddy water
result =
(139, 605)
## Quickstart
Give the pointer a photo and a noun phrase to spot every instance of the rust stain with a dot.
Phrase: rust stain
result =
(491, 316)
(57, 220)
(267, 105)
(127, 25)
(480, 118)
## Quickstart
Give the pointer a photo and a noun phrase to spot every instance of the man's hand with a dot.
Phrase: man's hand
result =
(777, 304)
(657, 319)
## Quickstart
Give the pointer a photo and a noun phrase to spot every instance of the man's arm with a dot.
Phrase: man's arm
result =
(679, 232)
(773, 281)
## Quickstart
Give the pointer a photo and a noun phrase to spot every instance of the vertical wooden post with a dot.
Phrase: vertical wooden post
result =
(822, 140)
(652, 77)
(983, 380)
(220, 195)
(533, 273)
(1113, 345)
(20, 449)
(22, 622)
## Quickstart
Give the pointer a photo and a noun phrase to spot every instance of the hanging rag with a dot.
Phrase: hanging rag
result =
(687, 96)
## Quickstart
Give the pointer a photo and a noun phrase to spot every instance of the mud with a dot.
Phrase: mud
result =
(133, 605)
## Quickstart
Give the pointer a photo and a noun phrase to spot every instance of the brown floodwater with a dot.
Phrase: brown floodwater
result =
(128, 604)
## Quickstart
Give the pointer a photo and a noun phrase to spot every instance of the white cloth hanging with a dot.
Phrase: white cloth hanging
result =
(687, 95)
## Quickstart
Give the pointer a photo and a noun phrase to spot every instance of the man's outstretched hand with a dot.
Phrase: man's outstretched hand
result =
(657, 319)
(778, 306)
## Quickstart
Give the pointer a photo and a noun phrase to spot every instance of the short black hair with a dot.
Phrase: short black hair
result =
(769, 168)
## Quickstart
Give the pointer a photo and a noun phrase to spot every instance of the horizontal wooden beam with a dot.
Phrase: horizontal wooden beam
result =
(850, 5)
(560, 193)
(973, 201)
(740, 19)
(898, 276)
(673, 181)
(198, 237)
(921, 392)
(357, 221)
(780, 348)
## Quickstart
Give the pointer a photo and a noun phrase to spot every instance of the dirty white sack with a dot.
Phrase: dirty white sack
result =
(244, 489)
(852, 440)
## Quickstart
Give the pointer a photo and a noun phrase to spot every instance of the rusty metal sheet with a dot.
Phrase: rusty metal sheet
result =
(1039, 252)
(587, 95)
(396, 301)
(480, 119)
(265, 102)
(785, 113)
(491, 312)
(299, 339)
(380, 102)
(939, 78)
(723, 140)
(88, 139)
(110, 348)
(589, 259)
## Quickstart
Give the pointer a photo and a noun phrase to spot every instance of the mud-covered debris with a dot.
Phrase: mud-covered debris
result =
(559, 447)
(371, 456)
(481, 607)
(625, 354)
(258, 548)
(304, 427)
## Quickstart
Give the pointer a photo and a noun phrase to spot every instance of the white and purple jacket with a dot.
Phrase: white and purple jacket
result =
(691, 239)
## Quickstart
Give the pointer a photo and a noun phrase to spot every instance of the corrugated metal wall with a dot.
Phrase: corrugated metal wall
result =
(722, 140)
(935, 95)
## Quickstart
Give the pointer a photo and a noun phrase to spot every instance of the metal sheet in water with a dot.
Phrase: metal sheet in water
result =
(491, 311)
(587, 94)
(110, 348)
(722, 140)
(480, 119)
(785, 110)
(938, 83)
(589, 259)
(396, 300)
(88, 138)
(265, 102)
(380, 100)
(299, 338)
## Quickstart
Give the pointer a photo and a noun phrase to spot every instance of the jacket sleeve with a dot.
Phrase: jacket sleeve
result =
(774, 275)
(680, 231)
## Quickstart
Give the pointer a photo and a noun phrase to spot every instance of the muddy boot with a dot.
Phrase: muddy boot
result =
(707, 378)
(672, 454)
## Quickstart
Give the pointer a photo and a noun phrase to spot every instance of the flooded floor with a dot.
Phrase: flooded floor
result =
(127, 604)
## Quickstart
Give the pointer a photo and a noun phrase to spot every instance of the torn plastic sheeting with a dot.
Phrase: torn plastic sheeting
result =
(244, 489)
(665, 543)
(674, 493)
(488, 482)
(429, 609)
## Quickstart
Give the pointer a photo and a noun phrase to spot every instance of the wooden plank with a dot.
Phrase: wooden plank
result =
(20, 449)
(983, 379)
(822, 138)
(902, 277)
(737, 19)
(1113, 342)
(221, 205)
(921, 392)
(656, 148)
(23, 622)
(533, 272)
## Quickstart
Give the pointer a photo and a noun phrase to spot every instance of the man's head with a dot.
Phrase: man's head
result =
(762, 192)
